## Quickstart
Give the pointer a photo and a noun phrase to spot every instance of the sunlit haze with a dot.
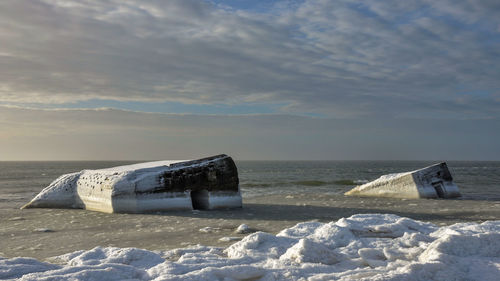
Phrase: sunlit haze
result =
(266, 80)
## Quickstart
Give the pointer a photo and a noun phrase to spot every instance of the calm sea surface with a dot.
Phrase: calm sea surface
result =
(20, 181)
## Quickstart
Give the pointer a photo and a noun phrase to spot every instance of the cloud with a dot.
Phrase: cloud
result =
(110, 134)
(335, 58)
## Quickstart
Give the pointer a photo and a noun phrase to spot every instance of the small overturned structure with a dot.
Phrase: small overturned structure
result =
(208, 183)
(431, 182)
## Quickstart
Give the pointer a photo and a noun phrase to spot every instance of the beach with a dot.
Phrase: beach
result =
(249, 140)
(383, 238)
(43, 233)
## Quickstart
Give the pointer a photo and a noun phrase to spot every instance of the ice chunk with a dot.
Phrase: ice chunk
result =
(243, 229)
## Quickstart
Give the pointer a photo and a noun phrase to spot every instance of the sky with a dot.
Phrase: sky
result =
(258, 80)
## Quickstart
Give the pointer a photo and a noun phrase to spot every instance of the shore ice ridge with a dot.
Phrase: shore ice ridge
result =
(361, 247)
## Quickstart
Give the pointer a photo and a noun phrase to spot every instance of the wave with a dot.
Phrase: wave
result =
(344, 182)
(302, 183)
(310, 183)
(250, 185)
(281, 184)
(349, 182)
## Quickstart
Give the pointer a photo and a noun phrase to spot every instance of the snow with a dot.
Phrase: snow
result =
(209, 229)
(243, 229)
(229, 238)
(133, 189)
(361, 247)
(139, 166)
(389, 177)
(430, 182)
(123, 178)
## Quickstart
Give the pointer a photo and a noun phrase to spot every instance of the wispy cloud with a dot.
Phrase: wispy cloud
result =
(334, 58)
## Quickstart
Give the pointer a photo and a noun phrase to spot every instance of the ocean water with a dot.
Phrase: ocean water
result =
(476, 180)
(20, 181)
(276, 195)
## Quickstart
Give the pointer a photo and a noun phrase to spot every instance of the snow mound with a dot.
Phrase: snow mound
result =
(361, 247)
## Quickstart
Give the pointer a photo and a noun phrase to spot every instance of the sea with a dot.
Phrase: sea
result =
(329, 236)
(477, 180)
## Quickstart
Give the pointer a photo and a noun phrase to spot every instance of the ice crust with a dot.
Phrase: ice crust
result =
(361, 247)
(63, 192)
(142, 188)
(430, 182)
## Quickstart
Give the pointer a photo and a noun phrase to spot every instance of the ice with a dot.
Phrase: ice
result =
(17, 267)
(360, 247)
(138, 258)
(209, 229)
(229, 238)
(207, 183)
(43, 230)
(243, 229)
(430, 182)
(308, 251)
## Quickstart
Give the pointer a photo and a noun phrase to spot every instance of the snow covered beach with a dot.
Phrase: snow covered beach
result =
(42, 233)
(106, 246)
(361, 247)
(45, 233)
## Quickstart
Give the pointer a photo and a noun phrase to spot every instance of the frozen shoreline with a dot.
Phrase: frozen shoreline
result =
(279, 196)
(69, 230)
(360, 247)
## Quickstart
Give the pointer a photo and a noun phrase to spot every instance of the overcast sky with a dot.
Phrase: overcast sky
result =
(309, 79)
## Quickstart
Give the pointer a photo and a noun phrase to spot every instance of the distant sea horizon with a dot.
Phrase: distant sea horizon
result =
(260, 160)
(475, 179)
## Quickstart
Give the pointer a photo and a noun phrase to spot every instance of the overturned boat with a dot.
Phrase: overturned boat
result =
(431, 182)
(208, 183)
